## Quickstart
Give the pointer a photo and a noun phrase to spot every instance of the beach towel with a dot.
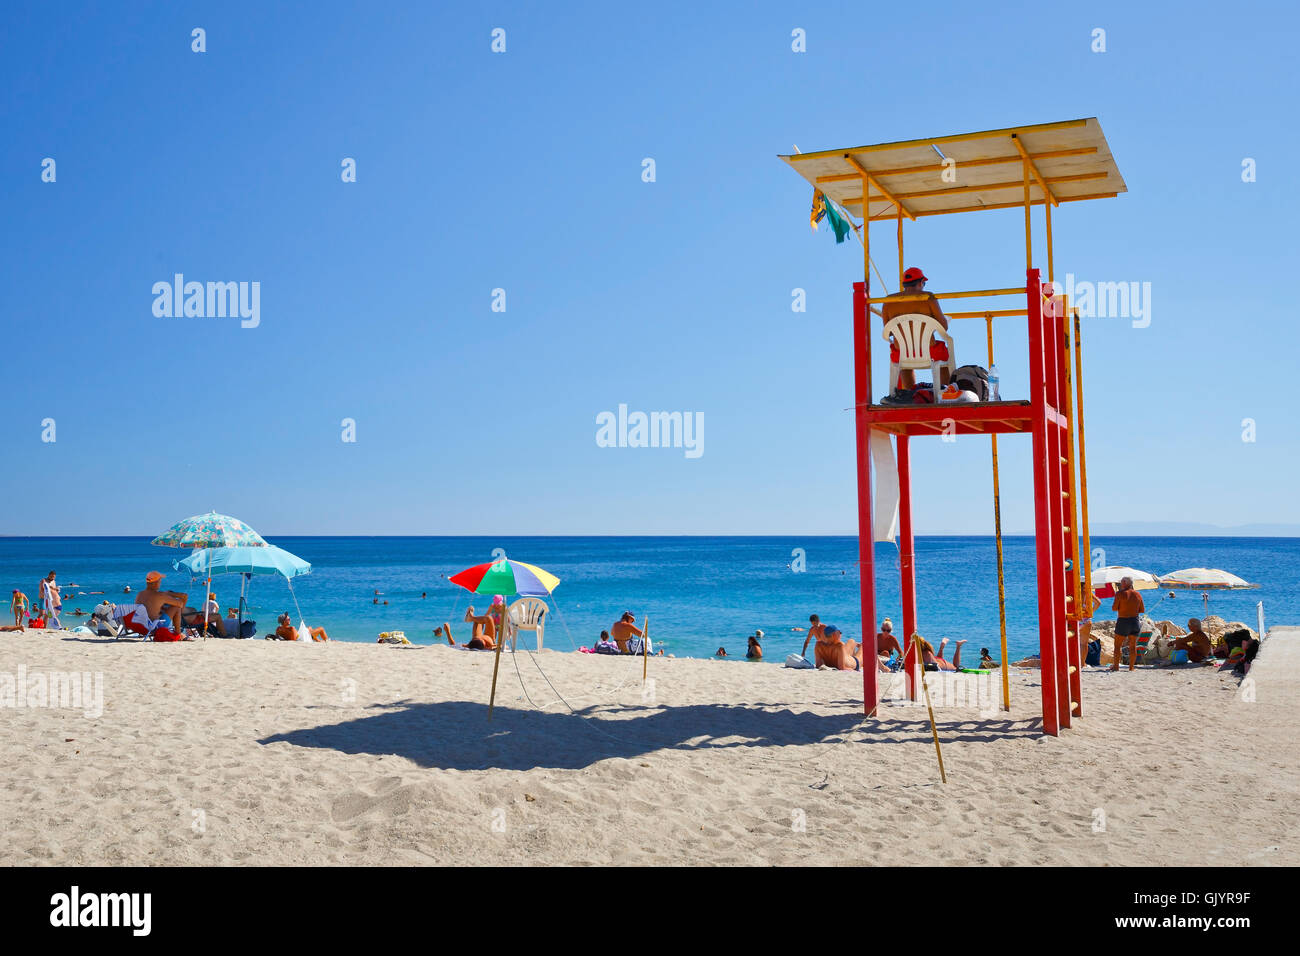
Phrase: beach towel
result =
(50, 604)
(885, 516)
(798, 662)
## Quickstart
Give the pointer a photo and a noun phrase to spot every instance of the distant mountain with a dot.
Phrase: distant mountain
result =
(1189, 529)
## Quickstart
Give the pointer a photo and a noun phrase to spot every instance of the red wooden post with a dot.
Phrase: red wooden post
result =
(1044, 532)
(907, 561)
(866, 532)
(1057, 513)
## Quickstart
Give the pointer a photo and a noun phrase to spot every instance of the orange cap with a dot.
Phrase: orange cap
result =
(153, 576)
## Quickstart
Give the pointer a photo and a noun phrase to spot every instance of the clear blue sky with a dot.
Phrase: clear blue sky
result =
(522, 171)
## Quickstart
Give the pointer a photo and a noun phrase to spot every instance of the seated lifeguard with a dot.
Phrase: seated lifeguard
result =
(914, 281)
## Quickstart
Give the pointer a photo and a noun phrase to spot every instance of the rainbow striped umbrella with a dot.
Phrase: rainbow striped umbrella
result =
(507, 577)
(211, 530)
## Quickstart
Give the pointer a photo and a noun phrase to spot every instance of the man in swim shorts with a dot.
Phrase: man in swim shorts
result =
(153, 600)
(1128, 605)
(914, 281)
(831, 649)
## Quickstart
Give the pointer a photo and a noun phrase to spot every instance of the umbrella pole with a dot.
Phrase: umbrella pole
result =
(207, 591)
(645, 648)
(496, 666)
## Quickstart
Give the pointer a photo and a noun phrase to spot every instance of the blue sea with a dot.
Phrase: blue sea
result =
(700, 593)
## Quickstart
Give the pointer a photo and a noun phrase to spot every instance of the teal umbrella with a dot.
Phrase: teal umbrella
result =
(267, 559)
(210, 530)
(247, 561)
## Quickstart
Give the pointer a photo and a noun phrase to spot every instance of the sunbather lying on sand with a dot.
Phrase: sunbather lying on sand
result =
(287, 632)
(484, 636)
(831, 649)
(936, 662)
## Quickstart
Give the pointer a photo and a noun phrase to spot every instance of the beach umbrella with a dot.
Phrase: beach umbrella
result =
(505, 577)
(1204, 579)
(1105, 579)
(246, 561)
(265, 559)
(209, 530)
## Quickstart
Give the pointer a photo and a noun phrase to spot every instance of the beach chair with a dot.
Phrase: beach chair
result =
(1143, 645)
(526, 614)
(911, 334)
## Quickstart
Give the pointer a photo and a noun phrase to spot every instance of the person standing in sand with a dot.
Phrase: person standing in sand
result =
(51, 602)
(153, 600)
(1128, 604)
(19, 606)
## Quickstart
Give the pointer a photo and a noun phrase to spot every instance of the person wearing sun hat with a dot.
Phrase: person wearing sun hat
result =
(914, 281)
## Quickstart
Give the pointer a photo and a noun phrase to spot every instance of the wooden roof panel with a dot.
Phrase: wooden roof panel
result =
(1072, 157)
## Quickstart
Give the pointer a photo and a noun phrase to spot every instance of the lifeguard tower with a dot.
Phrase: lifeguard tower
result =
(1018, 167)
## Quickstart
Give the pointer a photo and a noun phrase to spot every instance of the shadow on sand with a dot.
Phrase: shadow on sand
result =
(456, 735)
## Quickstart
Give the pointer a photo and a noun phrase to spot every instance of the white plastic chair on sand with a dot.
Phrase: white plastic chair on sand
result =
(911, 333)
(527, 614)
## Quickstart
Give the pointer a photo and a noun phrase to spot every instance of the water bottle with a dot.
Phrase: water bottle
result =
(994, 395)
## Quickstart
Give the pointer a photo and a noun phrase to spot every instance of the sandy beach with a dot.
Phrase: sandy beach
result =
(262, 753)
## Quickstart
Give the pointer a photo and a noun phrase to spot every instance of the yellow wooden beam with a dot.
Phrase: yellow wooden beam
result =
(867, 178)
(1000, 205)
(1029, 160)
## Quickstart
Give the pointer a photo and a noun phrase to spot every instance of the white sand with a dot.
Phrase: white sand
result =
(268, 753)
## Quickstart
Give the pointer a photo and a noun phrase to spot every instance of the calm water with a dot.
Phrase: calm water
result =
(700, 592)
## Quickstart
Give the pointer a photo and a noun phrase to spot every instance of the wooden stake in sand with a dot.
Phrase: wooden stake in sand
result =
(496, 666)
(645, 648)
(934, 731)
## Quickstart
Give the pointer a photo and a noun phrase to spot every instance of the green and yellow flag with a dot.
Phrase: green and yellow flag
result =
(824, 208)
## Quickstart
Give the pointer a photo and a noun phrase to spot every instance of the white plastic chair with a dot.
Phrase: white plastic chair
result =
(527, 614)
(911, 333)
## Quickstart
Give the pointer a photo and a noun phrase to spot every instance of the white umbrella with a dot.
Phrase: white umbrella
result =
(1204, 579)
(1105, 579)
